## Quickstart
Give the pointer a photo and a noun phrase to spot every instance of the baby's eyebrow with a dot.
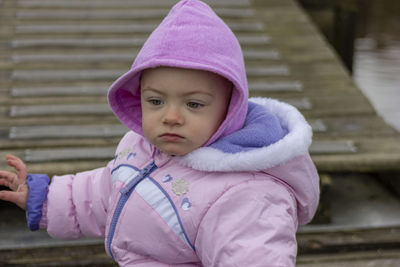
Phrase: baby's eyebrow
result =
(147, 89)
(198, 93)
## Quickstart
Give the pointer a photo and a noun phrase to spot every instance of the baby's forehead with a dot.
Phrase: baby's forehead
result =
(161, 77)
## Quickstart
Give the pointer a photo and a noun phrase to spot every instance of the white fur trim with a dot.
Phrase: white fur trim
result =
(294, 144)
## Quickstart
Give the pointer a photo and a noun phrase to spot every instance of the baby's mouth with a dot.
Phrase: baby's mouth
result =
(171, 137)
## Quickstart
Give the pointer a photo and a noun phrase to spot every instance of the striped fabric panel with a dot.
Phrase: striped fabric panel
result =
(161, 203)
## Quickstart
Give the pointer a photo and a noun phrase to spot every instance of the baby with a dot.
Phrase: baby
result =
(205, 177)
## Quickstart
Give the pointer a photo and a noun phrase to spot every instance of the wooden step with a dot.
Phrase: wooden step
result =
(111, 75)
(117, 28)
(67, 131)
(121, 3)
(59, 109)
(119, 14)
(119, 57)
(102, 90)
(112, 42)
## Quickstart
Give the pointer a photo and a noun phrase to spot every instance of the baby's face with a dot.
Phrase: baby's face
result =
(182, 108)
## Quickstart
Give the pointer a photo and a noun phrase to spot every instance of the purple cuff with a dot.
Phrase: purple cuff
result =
(37, 195)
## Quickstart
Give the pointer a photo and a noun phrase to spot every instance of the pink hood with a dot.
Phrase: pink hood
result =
(191, 36)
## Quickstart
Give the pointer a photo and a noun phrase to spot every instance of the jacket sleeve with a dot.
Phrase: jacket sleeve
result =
(77, 205)
(251, 224)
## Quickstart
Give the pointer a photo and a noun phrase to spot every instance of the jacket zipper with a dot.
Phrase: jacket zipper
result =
(126, 192)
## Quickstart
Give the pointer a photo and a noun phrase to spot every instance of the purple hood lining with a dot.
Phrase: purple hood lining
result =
(261, 128)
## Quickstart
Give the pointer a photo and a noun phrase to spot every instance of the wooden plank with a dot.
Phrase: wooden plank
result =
(67, 131)
(55, 110)
(112, 42)
(12, 145)
(106, 57)
(74, 75)
(65, 119)
(125, 57)
(65, 75)
(241, 12)
(93, 4)
(74, 42)
(272, 54)
(122, 3)
(324, 238)
(278, 86)
(59, 91)
(356, 127)
(81, 28)
(54, 100)
(72, 58)
(89, 14)
(47, 155)
(118, 28)
(374, 154)
(302, 103)
(318, 125)
(378, 257)
(55, 253)
(250, 39)
(270, 70)
(325, 106)
(120, 14)
(332, 147)
(102, 89)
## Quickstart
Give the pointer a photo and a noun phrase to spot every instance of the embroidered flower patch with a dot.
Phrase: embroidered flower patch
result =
(180, 187)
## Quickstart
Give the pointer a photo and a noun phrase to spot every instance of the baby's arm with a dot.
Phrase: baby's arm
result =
(15, 181)
(77, 204)
(70, 207)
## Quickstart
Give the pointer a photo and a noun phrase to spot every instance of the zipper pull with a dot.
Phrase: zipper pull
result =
(140, 176)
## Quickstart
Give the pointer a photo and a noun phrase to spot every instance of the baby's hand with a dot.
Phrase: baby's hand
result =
(15, 181)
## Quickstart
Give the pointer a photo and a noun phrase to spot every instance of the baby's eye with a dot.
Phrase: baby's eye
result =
(155, 102)
(194, 105)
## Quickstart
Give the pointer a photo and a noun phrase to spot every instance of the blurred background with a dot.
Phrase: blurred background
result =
(337, 61)
(366, 35)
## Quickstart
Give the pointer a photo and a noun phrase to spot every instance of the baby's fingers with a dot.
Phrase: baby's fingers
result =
(9, 180)
(4, 182)
(18, 198)
(19, 165)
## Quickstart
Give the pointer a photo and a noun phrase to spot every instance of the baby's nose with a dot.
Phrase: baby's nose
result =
(173, 116)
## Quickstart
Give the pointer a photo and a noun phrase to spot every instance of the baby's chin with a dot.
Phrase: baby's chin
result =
(175, 152)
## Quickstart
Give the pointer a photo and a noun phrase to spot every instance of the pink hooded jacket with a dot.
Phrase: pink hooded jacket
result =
(236, 201)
